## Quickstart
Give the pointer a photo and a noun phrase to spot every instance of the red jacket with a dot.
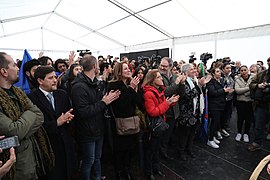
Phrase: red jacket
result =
(153, 106)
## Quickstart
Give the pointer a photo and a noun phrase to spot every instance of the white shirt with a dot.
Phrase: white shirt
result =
(46, 95)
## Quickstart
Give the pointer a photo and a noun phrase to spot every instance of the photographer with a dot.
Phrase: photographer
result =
(260, 88)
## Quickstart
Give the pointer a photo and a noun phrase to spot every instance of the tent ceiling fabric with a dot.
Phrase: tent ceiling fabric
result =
(112, 24)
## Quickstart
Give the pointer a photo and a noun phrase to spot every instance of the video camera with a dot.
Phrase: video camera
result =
(192, 58)
(142, 59)
(109, 57)
(156, 58)
(84, 52)
(205, 57)
(228, 60)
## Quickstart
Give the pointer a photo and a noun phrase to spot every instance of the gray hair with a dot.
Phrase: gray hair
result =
(256, 66)
(170, 61)
(185, 67)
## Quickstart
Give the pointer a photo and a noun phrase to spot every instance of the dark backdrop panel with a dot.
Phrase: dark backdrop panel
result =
(150, 53)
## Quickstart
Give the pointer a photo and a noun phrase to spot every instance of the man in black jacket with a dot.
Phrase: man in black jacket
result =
(55, 106)
(90, 103)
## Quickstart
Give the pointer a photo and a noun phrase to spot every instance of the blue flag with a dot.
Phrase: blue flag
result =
(205, 117)
(23, 82)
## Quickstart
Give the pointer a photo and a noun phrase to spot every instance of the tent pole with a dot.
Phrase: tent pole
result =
(89, 29)
(215, 56)
(42, 39)
(173, 49)
(121, 6)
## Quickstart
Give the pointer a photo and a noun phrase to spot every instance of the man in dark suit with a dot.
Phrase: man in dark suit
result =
(55, 105)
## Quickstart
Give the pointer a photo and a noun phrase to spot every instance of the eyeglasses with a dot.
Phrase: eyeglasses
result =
(164, 66)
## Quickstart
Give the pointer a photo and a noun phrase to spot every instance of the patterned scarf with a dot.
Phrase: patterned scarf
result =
(42, 148)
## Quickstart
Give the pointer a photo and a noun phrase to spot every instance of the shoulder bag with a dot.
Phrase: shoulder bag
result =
(127, 126)
(157, 125)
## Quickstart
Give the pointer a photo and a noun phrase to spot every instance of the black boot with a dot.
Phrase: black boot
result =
(128, 175)
(165, 156)
(120, 175)
(191, 155)
(150, 177)
(182, 157)
(160, 173)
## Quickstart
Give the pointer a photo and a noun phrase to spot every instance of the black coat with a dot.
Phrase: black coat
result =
(88, 107)
(216, 95)
(60, 137)
(124, 106)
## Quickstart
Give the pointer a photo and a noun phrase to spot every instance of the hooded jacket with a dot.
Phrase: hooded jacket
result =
(88, 107)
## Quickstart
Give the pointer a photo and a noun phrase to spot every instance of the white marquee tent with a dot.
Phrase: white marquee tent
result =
(239, 29)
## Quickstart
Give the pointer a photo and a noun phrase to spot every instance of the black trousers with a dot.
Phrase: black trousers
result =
(167, 135)
(151, 156)
(186, 137)
(245, 116)
(225, 119)
(215, 116)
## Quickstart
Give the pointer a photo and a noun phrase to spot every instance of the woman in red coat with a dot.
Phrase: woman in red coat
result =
(156, 104)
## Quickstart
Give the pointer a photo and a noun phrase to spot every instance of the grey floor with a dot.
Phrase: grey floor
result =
(232, 161)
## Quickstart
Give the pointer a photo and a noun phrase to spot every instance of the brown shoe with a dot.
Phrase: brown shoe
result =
(254, 147)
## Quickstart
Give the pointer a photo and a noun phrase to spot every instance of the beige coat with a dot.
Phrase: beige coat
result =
(242, 89)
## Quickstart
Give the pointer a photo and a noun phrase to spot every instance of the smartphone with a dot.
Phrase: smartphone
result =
(9, 142)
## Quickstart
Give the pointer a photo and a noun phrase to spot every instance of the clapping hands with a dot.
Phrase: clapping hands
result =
(65, 117)
(172, 99)
(134, 82)
(111, 96)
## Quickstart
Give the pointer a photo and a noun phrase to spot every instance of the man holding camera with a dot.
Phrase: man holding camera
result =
(260, 88)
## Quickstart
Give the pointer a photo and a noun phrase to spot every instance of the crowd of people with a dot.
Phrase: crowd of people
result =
(74, 106)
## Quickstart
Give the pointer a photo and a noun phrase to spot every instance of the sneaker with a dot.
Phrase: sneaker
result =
(212, 144)
(224, 133)
(216, 141)
(219, 137)
(254, 147)
(245, 137)
(238, 137)
(268, 137)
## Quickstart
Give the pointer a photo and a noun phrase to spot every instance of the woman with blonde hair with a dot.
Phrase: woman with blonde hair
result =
(123, 107)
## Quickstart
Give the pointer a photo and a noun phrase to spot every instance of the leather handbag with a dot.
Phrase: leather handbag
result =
(157, 125)
(126, 126)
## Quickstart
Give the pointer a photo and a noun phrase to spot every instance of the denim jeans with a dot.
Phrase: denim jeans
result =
(261, 118)
(91, 154)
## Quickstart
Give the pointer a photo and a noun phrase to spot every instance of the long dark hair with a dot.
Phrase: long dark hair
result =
(71, 77)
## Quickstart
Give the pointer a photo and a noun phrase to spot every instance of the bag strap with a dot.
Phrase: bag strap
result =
(112, 111)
